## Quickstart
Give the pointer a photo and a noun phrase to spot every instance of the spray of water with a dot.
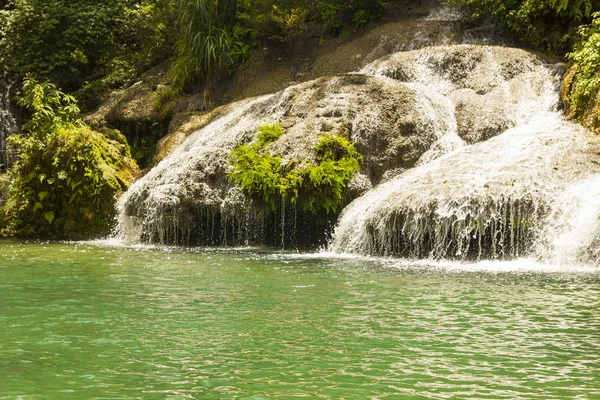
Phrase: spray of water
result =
(507, 197)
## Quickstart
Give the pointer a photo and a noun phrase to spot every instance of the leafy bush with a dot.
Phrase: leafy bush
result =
(586, 57)
(547, 24)
(85, 45)
(205, 39)
(66, 177)
(316, 187)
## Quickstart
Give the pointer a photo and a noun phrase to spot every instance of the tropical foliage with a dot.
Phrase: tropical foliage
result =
(312, 186)
(213, 36)
(66, 176)
(83, 45)
(585, 80)
(90, 46)
(547, 24)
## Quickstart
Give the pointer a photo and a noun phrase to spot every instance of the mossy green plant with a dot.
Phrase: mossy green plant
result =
(313, 186)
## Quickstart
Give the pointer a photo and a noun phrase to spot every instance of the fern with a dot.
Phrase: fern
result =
(267, 180)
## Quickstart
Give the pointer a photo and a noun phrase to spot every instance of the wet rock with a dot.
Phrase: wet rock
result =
(401, 112)
(486, 85)
(480, 117)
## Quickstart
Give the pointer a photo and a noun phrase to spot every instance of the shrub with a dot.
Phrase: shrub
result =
(66, 177)
(547, 24)
(586, 57)
(205, 40)
(313, 187)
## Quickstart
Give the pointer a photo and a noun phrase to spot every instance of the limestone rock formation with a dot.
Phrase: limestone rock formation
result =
(401, 112)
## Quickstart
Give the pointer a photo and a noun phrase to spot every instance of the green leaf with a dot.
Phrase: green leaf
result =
(37, 206)
(49, 216)
(43, 195)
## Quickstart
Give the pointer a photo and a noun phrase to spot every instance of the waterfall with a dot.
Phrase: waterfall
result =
(8, 125)
(466, 156)
(509, 196)
(482, 201)
(571, 233)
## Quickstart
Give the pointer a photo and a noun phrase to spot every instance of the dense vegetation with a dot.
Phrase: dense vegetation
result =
(87, 47)
(313, 186)
(582, 83)
(549, 25)
(83, 46)
(66, 177)
(91, 46)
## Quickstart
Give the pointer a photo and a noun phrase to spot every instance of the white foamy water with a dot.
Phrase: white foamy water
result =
(8, 125)
(571, 232)
(497, 199)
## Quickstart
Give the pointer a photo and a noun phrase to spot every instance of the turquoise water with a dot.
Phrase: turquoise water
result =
(84, 321)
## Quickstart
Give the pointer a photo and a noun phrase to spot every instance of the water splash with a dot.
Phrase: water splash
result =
(492, 199)
(571, 233)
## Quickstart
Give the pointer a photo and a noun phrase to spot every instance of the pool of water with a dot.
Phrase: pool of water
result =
(87, 321)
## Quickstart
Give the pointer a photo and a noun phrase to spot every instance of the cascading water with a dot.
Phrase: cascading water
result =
(187, 198)
(506, 197)
(8, 125)
(464, 146)
(571, 233)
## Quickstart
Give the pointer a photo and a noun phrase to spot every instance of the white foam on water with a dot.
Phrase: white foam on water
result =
(521, 265)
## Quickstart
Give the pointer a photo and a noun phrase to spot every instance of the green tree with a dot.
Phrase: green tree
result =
(583, 81)
(78, 42)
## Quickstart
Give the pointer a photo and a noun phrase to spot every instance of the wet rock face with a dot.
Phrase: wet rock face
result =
(480, 117)
(486, 85)
(401, 112)
(381, 116)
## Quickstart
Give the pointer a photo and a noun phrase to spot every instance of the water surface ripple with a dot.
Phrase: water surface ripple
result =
(82, 321)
